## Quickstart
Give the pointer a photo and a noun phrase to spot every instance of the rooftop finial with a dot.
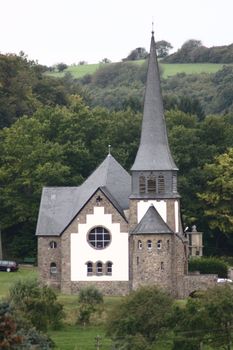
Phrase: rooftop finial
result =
(152, 32)
(109, 149)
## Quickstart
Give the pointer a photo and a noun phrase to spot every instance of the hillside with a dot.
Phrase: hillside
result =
(78, 71)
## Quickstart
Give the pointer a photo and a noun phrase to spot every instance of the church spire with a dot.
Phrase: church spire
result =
(154, 152)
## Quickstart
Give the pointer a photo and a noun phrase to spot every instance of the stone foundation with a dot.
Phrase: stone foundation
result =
(113, 288)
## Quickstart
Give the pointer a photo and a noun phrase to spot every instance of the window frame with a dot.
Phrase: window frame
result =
(97, 242)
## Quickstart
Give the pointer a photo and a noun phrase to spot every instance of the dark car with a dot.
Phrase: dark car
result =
(6, 265)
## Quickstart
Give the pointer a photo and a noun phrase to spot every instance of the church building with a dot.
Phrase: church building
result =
(118, 231)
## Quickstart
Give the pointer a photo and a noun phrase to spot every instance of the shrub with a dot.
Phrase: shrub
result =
(90, 299)
(36, 303)
(209, 265)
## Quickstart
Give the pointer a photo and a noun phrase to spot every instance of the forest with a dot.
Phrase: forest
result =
(55, 131)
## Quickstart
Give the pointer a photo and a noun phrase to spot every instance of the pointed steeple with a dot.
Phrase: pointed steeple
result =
(154, 152)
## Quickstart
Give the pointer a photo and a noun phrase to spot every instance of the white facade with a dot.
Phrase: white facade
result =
(161, 207)
(116, 252)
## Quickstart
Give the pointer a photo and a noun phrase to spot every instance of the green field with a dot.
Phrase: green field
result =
(79, 71)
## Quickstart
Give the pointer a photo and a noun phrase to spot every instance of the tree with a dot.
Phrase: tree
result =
(36, 303)
(16, 333)
(205, 320)
(61, 67)
(219, 193)
(139, 53)
(90, 299)
(140, 318)
(162, 48)
(105, 60)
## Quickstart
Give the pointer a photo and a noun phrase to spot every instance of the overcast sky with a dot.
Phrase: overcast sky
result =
(69, 31)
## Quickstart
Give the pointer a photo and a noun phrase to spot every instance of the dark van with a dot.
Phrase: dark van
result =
(6, 265)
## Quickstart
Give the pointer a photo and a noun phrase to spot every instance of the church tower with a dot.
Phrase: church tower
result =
(157, 249)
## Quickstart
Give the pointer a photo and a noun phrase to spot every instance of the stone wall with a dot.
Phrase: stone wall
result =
(151, 265)
(113, 288)
(193, 282)
(47, 254)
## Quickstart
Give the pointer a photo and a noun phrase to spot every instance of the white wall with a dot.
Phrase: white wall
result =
(116, 252)
(161, 207)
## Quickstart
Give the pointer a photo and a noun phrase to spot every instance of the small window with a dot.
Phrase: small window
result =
(109, 268)
(137, 260)
(161, 184)
(162, 265)
(53, 244)
(149, 244)
(53, 268)
(159, 244)
(89, 268)
(168, 244)
(151, 184)
(142, 184)
(140, 245)
(99, 268)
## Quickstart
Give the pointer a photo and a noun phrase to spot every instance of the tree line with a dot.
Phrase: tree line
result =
(55, 134)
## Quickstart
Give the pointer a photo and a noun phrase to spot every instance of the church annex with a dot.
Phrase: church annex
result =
(119, 231)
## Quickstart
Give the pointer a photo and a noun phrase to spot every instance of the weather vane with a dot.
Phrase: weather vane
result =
(152, 26)
(109, 149)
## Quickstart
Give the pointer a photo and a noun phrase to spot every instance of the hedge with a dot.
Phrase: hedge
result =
(209, 265)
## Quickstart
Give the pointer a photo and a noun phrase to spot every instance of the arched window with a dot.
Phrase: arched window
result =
(53, 268)
(161, 184)
(89, 268)
(99, 237)
(151, 184)
(99, 268)
(109, 268)
(168, 244)
(140, 245)
(159, 244)
(142, 184)
(149, 244)
(53, 244)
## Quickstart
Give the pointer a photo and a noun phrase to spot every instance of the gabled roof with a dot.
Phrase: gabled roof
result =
(59, 205)
(154, 152)
(151, 223)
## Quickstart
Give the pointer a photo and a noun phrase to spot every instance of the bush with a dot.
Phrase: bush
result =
(90, 299)
(36, 303)
(209, 265)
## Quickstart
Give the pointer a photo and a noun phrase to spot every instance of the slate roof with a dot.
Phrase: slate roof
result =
(154, 152)
(59, 205)
(151, 223)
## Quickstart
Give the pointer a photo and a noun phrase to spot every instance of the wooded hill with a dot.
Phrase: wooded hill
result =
(55, 131)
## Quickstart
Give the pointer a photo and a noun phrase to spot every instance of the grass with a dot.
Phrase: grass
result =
(7, 279)
(79, 71)
(80, 338)
(71, 336)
